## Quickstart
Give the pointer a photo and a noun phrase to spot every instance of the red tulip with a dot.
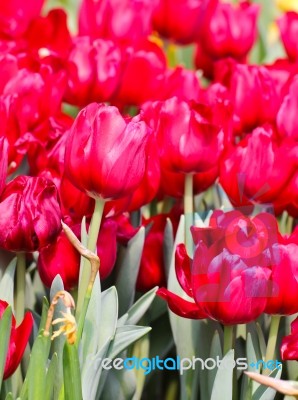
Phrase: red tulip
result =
(229, 277)
(181, 20)
(286, 117)
(19, 337)
(264, 179)
(144, 66)
(60, 257)
(231, 32)
(93, 70)
(283, 294)
(253, 92)
(189, 141)
(181, 82)
(288, 25)
(152, 268)
(289, 344)
(37, 95)
(74, 203)
(121, 20)
(106, 154)
(29, 214)
(16, 15)
(49, 35)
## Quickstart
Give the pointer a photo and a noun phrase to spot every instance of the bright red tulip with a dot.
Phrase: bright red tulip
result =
(16, 15)
(94, 70)
(29, 214)
(181, 82)
(121, 20)
(182, 20)
(288, 25)
(60, 257)
(152, 267)
(49, 35)
(231, 32)
(106, 154)
(253, 92)
(144, 66)
(189, 141)
(289, 344)
(19, 337)
(264, 179)
(284, 291)
(230, 275)
(286, 118)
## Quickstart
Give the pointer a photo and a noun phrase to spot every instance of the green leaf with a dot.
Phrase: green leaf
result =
(120, 385)
(7, 283)
(71, 373)
(38, 367)
(223, 384)
(252, 358)
(215, 351)
(168, 245)
(128, 271)
(138, 309)
(5, 329)
(9, 396)
(92, 326)
(24, 390)
(52, 375)
(124, 337)
(266, 393)
(109, 315)
(92, 371)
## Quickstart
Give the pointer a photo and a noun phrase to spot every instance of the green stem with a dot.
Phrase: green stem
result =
(91, 245)
(273, 332)
(20, 287)
(188, 212)
(228, 338)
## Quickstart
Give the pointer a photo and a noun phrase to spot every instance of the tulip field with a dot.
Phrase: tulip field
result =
(148, 199)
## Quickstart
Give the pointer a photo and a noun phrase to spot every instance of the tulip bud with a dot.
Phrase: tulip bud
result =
(105, 154)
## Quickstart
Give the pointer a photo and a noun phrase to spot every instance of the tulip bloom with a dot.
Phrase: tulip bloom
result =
(19, 337)
(152, 268)
(16, 15)
(288, 25)
(125, 21)
(255, 170)
(29, 214)
(144, 66)
(231, 32)
(106, 154)
(60, 257)
(189, 140)
(181, 20)
(289, 344)
(49, 35)
(253, 92)
(229, 277)
(286, 117)
(93, 70)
